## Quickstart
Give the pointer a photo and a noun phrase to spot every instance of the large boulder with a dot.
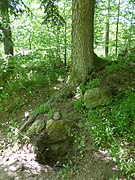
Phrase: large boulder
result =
(55, 144)
(58, 130)
(97, 97)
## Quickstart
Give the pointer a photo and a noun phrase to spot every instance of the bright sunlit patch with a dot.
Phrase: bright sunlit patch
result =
(60, 79)
(26, 114)
(23, 66)
(78, 93)
(56, 88)
(15, 159)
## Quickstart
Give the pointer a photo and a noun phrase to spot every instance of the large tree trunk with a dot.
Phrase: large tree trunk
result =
(82, 39)
(84, 60)
(8, 43)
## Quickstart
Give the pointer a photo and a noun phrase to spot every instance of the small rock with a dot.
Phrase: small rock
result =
(46, 117)
(57, 115)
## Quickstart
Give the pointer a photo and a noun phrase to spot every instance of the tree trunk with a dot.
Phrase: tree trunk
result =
(82, 39)
(107, 30)
(84, 60)
(8, 43)
(117, 28)
(130, 32)
(6, 30)
(65, 36)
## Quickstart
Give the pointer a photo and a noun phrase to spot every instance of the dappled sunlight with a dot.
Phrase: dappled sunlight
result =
(103, 155)
(16, 160)
(59, 85)
(78, 93)
(26, 115)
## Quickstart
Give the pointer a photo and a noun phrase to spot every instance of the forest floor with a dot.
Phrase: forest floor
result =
(18, 162)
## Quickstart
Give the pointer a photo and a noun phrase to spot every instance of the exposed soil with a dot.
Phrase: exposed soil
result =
(20, 163)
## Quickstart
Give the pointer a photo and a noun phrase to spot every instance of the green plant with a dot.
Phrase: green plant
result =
(93, 84)
(130, 57)
(67, 170)
(43, 108)
(99, 126)
(123, 117)
(113, 127)
(79, 141)
(13, 135)
(78, 104)
(116, 66)
(120, 153)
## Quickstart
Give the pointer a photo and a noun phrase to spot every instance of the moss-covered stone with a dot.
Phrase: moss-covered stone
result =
(58, 130)
(97, 97)
(55, 144)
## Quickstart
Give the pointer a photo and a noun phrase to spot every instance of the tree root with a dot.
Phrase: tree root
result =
(67, 91)
(28, 123)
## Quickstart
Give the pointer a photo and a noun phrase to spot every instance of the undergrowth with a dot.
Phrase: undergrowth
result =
(26, 81)
(112, 126)
(26, 72)
(22, 76)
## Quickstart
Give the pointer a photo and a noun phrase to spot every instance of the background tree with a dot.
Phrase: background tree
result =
(125, 27)
(117, 28)
(7, 8)
(107, 30)
(5, 27)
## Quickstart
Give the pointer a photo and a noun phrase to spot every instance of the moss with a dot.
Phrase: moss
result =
(96, 97)
(58, 130)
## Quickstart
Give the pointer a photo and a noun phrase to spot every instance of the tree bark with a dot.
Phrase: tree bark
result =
(117, 28)
(6, 30)
(130, 32)
(8, 43)
(107, 30)
(65, 36)
(84, 60)
(82, 39)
